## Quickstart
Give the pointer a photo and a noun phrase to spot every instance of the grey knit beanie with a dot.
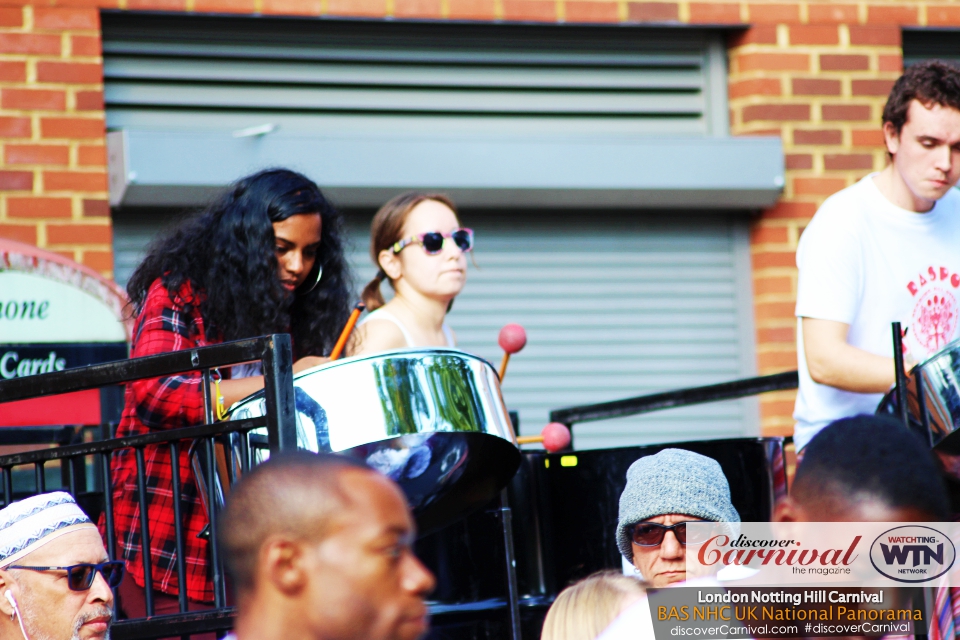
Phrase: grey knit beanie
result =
(673, 481)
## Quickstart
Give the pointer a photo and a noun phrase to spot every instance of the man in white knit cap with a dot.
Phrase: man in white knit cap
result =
(663, 493)
(55, 576)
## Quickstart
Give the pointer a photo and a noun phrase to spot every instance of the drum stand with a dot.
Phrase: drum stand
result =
(513, 595)
(901, 386)
(900, 372)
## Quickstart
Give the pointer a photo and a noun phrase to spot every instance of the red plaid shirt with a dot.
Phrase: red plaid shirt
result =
(157, 404)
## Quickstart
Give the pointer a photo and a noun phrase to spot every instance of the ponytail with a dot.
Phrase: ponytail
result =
(371, 295)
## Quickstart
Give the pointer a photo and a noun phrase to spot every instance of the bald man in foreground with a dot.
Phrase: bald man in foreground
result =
(319, 548)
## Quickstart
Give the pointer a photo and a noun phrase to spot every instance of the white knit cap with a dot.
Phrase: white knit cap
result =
(31, 523)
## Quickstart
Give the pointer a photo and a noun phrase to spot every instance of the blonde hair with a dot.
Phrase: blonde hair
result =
(385, 230)
(583, 610)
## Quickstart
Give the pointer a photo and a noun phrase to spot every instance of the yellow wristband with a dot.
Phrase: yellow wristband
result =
(220, 411)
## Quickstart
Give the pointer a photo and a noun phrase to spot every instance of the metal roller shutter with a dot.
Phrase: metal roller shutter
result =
(338, 76)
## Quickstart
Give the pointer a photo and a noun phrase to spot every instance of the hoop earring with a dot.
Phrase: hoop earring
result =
(319, 275)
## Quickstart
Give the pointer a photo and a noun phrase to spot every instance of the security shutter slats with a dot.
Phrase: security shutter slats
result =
(383, 75)
(583, 283)
(386, 99)
(641, 350)
(546, 306)
(366, 40)
(378, 124)
(556, 54)
(552, 319)
(614, 307)
(588, 277)
(443, 79)
(610, 371)
(575, 339)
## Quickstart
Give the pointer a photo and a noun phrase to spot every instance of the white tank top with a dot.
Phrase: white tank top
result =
(383, 314)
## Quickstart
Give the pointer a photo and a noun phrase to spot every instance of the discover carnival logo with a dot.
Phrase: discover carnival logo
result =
(912, 554)
(745, 551)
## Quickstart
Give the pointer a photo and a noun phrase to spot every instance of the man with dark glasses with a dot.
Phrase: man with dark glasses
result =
(55, 577)
(663, 493)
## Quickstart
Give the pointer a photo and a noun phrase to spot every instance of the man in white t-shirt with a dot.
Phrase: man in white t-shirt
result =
(885, 249)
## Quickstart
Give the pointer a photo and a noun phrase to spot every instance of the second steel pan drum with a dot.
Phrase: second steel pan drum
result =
(935, 381)
(433, 420)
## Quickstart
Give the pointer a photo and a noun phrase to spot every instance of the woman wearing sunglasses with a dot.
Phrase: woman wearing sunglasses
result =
(420, 248)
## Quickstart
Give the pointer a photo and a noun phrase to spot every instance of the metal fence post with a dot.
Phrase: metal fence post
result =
(278, 393)
(513, 591)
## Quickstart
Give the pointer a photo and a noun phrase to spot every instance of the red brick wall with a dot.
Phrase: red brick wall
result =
(53, 182)
(814, 73)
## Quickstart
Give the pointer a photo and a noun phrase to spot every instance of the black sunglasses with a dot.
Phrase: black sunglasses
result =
(80, 576)
(650, 534)
(432, 242)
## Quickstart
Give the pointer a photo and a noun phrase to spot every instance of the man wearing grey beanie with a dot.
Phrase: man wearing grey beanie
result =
(663, 492)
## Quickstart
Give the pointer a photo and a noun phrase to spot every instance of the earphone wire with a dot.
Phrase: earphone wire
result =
(16, 611)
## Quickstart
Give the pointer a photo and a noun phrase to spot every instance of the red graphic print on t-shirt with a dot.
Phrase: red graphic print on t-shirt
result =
(935, 310)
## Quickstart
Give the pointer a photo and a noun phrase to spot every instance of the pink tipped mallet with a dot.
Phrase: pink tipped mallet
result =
(512, 338)
(555, 437)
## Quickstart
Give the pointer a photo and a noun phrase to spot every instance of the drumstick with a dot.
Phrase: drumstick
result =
(555, 437)
(512, 338)
(347, 330)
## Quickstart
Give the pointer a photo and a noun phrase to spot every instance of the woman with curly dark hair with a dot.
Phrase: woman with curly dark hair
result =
(266, 257)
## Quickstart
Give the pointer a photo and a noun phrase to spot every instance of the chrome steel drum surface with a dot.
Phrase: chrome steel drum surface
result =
(940, 374)
(433, 420)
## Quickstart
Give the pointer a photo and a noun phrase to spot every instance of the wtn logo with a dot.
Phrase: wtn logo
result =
(899, 554)
(912, 553)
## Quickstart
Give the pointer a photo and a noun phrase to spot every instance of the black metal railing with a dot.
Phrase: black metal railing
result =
(678, 398)
(275, 356)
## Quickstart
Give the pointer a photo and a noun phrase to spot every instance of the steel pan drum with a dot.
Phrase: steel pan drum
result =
(433, 420)
(940, 392)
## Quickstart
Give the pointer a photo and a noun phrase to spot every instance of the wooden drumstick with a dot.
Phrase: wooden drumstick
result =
(347, 330)
(503, 365)
(512, 338)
